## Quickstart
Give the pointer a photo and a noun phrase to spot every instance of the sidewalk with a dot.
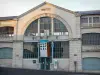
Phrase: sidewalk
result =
(14, 71)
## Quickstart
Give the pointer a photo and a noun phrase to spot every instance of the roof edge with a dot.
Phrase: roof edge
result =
(8, 18)
(34, 8)
(67, 10)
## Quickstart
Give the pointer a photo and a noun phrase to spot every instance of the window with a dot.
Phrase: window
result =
(30, 50)
(5, 53)
(45, 27)
(59, 28)
(91, 39)
(32, 29)
(6, 31)
(61, 49)
(90, 19)
(84, 20)
(96, 20)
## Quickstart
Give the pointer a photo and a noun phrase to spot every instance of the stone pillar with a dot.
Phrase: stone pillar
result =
(75, 55)
(17, 54)
(17, 60)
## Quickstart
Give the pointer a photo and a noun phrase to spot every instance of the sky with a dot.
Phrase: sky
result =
(17, 7)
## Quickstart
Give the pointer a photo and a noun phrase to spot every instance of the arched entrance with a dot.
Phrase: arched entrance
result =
(55, 36)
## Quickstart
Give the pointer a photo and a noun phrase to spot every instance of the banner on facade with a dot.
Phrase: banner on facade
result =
(44, 48)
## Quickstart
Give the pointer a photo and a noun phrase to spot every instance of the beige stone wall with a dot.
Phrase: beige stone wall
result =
(8, 23)
(75, 55)
(62, 64)
(17, 54)
(90, 54)
(6, 62)
(10, 45)
(28, 63)
(90, 30)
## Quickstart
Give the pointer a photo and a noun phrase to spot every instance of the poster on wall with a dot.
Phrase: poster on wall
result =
(44, 48)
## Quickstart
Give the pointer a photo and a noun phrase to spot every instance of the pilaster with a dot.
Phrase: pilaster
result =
(75, 55)
(17, 54)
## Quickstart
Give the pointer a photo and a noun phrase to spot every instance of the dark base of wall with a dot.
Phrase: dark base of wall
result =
(16, 71)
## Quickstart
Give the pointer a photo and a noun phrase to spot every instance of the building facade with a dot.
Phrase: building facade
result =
(73, 39)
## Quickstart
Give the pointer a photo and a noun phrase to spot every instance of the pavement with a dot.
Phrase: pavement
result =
(18, 71)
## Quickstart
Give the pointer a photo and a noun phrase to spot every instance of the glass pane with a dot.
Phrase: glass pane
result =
(45, 26)
(32, 29)
(96, 20)
(6, 53)
(91, 39)
(30, 50)
(61, 49)
(90, 19)
(6, 31)
(84, 20)
(59, 28)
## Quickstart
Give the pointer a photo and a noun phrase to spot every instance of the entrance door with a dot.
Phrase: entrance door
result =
(45, 63)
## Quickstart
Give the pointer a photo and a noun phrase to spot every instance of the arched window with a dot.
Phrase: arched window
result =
(6, 31)
(59, 28)
(91, 39)
(32, 29)
(43, 26)
(6, 53)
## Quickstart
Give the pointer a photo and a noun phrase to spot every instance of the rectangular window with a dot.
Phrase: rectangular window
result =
(90, 19)
(96, 20)
(61, 49)
(91, 39)
(5, 53)
(30, 50)
(84, 20)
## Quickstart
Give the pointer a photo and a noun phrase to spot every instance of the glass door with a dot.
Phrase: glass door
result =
(45, 63)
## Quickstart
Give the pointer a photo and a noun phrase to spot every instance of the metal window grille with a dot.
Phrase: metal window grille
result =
(61, 49)
(91, 39)
(30, 50)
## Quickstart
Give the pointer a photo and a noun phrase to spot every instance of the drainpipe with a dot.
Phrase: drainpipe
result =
(75, 64)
